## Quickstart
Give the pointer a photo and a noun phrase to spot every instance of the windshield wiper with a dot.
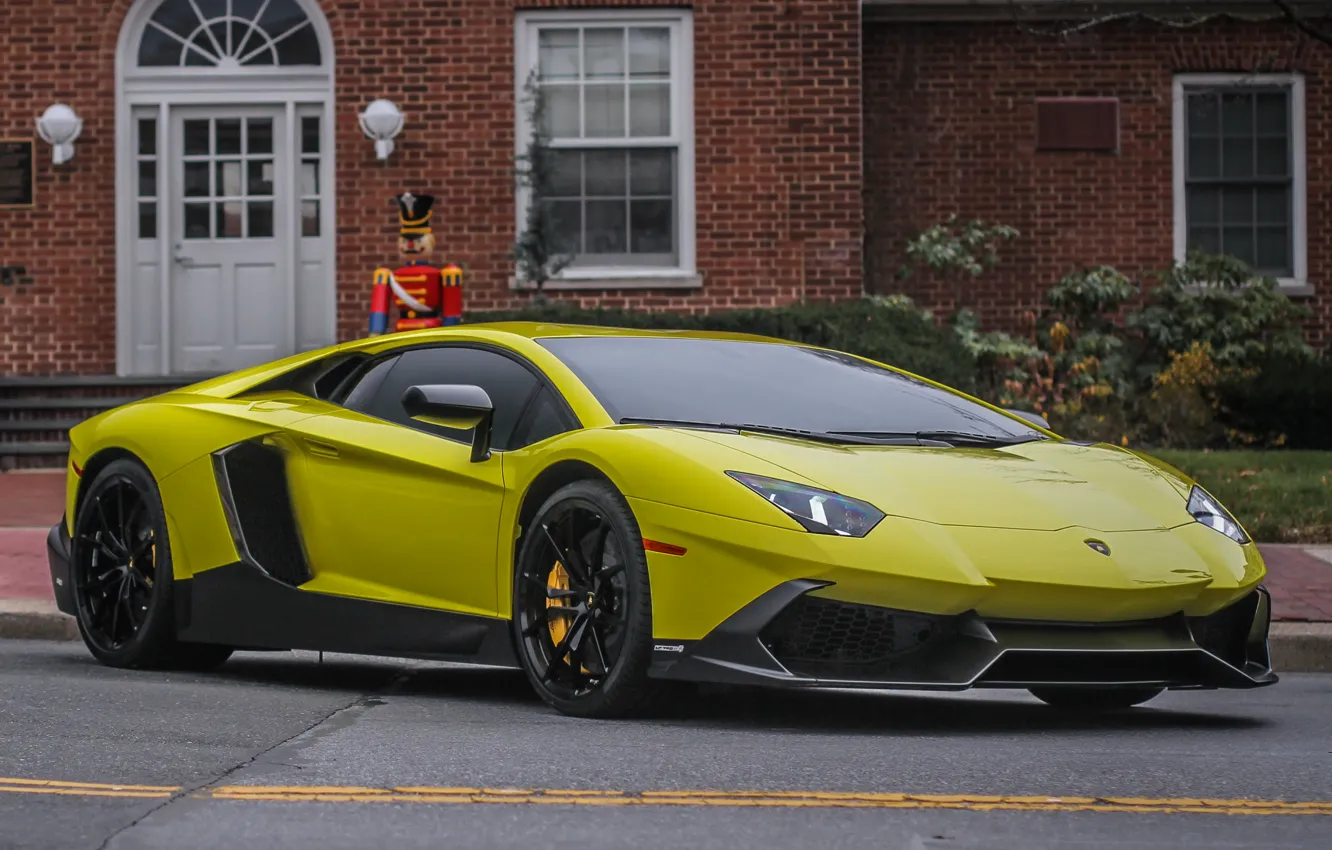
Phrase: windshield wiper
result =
(840, 439)
(950, 437)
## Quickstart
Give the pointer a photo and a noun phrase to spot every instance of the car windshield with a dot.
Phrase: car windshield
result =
(721, 382)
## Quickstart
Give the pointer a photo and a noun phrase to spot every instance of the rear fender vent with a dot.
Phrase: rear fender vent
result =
(252, 479)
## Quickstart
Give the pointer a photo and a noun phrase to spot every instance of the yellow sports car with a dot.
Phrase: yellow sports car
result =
(610, 510)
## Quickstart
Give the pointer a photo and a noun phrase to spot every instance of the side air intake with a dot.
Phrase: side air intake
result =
(252, 479)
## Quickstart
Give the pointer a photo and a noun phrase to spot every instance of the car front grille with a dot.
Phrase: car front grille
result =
(831, 639)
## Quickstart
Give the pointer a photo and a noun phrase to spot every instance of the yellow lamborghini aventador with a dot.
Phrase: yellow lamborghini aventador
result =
(611, 509)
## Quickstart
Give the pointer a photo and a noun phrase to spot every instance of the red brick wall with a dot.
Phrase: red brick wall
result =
(950, 128)
(65, 319)
(778, 134)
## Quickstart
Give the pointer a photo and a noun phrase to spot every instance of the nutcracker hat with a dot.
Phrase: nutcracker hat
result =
(414, 213)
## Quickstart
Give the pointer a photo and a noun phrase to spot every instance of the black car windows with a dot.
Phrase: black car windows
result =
(545, 418)
(509, 384)
(360, 388)
(787, 386)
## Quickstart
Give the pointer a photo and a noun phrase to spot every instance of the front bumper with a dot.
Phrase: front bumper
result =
(57, 554)
(788, 637)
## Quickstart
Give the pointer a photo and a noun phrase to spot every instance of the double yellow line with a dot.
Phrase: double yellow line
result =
(759, 799)
(84, 789)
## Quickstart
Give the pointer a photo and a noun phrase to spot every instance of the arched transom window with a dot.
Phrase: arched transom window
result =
(228, 34)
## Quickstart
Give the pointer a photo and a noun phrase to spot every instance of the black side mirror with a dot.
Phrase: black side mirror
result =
(1033, 418)
(454, 406)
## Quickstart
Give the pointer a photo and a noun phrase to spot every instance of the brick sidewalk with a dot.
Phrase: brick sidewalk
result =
(31, 499)
(30, 503)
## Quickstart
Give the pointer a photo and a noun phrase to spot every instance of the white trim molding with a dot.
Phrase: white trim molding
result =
(1298, 283)
(683, 274)
(154, 92)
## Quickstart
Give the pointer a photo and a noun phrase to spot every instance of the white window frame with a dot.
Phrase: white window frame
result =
(1298, 284)
(685, 274)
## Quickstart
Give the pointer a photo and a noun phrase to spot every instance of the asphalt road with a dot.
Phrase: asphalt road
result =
(319, 749)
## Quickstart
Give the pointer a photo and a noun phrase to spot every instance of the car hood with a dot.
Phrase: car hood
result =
(1039, 486)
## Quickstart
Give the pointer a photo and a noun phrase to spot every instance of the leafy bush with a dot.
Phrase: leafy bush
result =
(1282, 401)
(1182, 408)
(1219, 301)
(892, 331)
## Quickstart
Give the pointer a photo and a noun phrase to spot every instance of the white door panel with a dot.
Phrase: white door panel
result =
(230, 235)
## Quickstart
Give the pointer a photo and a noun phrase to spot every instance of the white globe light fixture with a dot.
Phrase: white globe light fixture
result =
(59, 126)
(382, 121)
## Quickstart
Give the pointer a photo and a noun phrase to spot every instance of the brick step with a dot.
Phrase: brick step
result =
(46, 454)
(17, 405)
(93, 386)
(17, 431)
(60, 448)
(9, 426)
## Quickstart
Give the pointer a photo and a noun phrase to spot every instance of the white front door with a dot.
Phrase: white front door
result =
(230, 233)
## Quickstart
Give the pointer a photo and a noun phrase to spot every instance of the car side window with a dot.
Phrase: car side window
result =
(359, 389)
(545, 418)
(509, 384)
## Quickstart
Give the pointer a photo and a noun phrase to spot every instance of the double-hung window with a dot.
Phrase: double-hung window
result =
(617, 99)
(1240, 171)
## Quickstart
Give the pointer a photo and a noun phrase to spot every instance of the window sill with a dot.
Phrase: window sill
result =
(603, 279)
(1295, 288)
(1289, 286)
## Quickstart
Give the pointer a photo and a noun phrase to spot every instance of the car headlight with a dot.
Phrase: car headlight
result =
(1209, 512)
(817, 510)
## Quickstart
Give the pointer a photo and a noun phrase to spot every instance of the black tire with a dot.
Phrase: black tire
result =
(123, 579)
(1095, 699)
(602, 671)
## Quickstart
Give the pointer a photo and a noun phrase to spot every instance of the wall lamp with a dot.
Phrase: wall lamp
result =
(382, 121)
(59, 126)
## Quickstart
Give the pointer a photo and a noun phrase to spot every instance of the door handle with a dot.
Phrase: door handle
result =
(321, 449)
(185, 261)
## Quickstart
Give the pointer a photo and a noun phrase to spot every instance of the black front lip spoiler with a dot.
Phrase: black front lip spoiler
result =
(58, 556)
(987, 654)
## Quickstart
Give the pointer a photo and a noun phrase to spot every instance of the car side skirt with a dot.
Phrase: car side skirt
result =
(788, 637)
(242, 606)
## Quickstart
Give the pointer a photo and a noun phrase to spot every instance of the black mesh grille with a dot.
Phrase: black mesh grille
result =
(260, 507)
(830, 638)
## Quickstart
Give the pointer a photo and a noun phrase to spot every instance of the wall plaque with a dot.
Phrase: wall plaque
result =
(16, 173)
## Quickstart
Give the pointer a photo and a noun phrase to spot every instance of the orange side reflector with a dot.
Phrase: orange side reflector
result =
(77, 471)
(664, 548)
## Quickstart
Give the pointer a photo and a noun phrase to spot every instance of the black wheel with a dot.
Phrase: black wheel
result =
(582, 607)
(122, 576)
(1095, 699)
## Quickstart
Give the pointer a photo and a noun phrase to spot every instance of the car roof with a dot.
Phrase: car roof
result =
(546, 330)
(519, 336)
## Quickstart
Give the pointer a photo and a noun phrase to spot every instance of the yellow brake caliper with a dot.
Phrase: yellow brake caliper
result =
(559, 626)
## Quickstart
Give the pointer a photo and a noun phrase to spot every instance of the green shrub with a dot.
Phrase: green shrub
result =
(1218, 301)
(1283, 400)
(891, 331)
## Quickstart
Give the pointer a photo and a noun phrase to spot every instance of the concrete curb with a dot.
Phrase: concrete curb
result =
(1301, 647)
(35, 619)
(1296, 647)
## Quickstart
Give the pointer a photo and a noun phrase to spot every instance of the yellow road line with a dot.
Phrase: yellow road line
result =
(55, 783)
(748, 799)
(82, 792)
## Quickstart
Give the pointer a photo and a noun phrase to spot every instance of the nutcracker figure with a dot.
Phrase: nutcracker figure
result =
(424, 295)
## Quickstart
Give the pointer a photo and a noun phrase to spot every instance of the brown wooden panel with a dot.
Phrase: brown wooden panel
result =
(1077, 124)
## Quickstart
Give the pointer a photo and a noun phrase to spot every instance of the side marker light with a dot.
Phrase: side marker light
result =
(664, 548)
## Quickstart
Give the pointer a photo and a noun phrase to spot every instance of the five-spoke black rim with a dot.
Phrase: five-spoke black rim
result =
(573, 599)
(116, 563)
